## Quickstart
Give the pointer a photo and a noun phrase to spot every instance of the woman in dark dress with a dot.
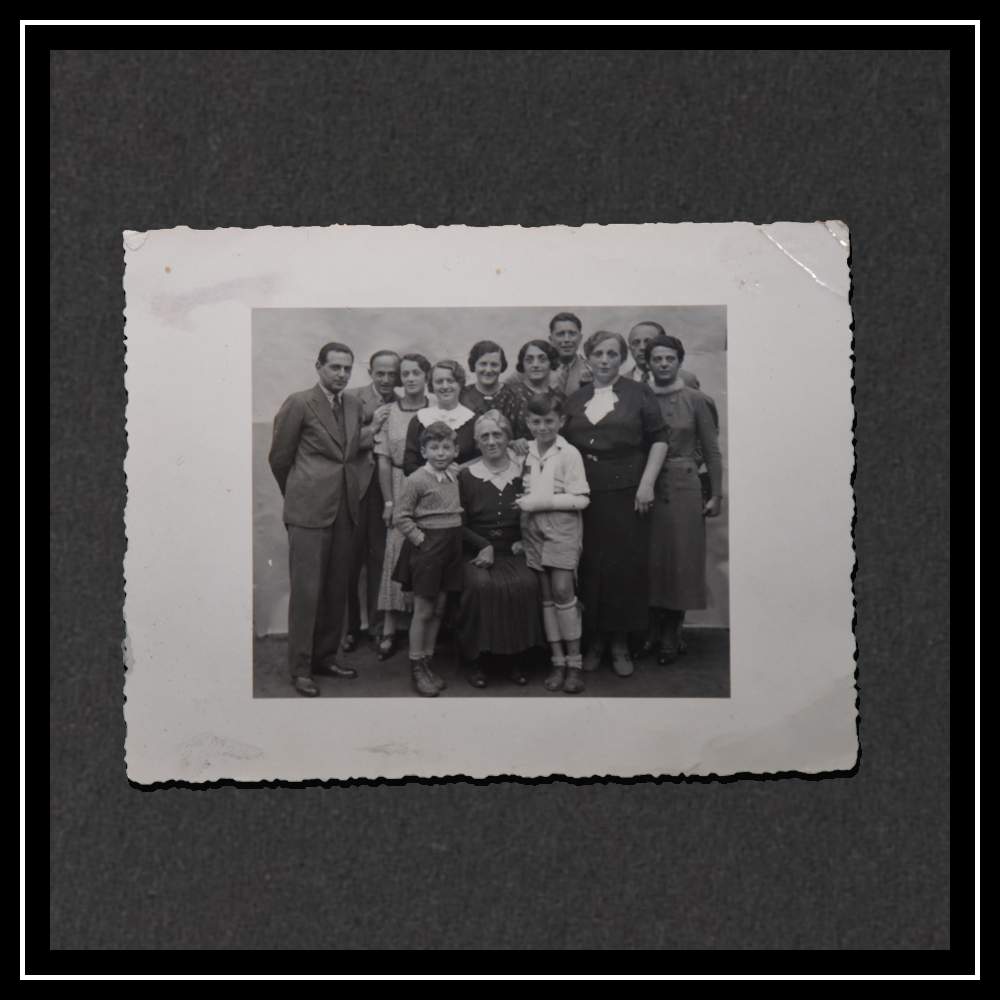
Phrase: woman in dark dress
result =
(536, 361)
(487, 362)
(618, 428)
(677, 549)
(447, 379)
(499, 608)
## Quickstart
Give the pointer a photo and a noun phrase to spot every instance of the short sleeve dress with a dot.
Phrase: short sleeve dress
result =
(614, 433)
(391, 442)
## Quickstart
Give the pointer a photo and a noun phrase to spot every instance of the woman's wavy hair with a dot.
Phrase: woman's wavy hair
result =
(665, 340)
(454, 367)
(598, 338)
(481, 347)
(543, 345)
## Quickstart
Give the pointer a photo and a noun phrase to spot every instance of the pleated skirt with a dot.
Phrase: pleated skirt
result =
(500, 609)
(614, 566)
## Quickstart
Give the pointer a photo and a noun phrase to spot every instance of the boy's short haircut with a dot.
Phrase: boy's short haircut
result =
(542, 404)
(438, 431)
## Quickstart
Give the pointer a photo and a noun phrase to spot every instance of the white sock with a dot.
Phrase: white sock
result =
(568, 617)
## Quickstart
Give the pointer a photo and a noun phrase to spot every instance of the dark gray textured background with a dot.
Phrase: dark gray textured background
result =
(156, 139)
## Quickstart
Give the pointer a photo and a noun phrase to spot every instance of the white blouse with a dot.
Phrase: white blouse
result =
(601, 404)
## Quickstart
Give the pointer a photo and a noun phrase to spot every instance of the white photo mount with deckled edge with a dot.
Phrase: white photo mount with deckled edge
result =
(189, 709)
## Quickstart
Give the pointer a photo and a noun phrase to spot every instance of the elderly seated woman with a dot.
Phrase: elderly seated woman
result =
(499, 610)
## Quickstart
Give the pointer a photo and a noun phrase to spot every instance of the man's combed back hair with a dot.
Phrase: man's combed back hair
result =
(333, 346)
(565, 318)
(382, 354)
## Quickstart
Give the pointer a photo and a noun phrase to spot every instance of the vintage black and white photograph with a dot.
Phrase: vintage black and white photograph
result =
(490, 501)
(494, 501)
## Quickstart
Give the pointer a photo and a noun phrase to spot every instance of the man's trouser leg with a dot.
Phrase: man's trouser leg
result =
(308, 557)
(332, 610)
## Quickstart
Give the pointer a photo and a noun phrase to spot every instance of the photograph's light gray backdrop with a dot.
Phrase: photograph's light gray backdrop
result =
(285, 343)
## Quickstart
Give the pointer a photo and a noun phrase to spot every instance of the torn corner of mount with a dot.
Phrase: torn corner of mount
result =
(839, 230)
(134, 240)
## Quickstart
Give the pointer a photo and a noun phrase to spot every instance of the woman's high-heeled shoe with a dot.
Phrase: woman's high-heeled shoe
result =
(386, 647)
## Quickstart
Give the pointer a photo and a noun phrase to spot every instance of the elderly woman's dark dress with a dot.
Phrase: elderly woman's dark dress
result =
(614, 573)
(499, 609)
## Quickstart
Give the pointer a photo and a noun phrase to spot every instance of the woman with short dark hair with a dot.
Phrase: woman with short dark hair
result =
(677, 543)
(536, 361)
(487, 362)
(617, 427)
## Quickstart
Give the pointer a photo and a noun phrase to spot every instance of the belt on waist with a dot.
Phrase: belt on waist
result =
(619, 456)
(682, 461)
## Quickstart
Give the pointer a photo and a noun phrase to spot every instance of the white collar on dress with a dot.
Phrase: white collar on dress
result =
(455, 418)
(498, 479)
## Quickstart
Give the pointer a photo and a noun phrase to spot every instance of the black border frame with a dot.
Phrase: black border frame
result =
(959, 960)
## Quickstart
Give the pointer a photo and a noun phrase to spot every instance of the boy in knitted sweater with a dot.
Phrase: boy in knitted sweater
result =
(429, 515)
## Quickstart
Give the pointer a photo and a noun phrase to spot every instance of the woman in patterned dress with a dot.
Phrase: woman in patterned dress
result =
(390, 446)
(487, 362)
(536, 361)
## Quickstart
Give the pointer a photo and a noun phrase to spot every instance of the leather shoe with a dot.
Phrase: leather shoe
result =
(334, 670)
(475, 676)
(422, 684)
(350, 643)
(574, 682)
(436, 679)
(305, 687)
(386, 647)
(621, 662)
(556, 677)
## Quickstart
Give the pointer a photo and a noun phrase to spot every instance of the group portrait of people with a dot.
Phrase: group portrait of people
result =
(554, 500)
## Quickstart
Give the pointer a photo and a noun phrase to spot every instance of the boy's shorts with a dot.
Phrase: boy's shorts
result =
(553, 539)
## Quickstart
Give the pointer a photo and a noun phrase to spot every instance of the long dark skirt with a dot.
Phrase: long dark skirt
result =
(500, 610)
(614, 571)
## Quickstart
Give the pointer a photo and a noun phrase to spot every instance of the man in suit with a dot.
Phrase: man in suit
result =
(565, 335)
(317, 435)
(369, 535)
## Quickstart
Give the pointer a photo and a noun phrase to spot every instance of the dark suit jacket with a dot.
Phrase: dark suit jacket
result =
(313, 460)
(364, 464)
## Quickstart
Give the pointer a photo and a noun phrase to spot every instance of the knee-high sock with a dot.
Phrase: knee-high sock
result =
(550, 622)
(568, 615)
